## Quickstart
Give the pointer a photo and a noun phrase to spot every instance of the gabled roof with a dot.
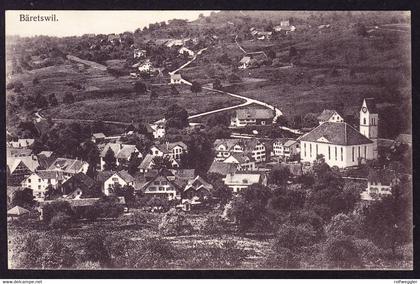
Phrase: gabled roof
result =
(245, 59)
(67, 165)
(31, 162)
(98, 135)
(17, 211)
(176, 76)
(102, 176)
(336, 133)
(49, 175)
(80, 179)
(18, 152)
(121, 151)
(125, 176)
(254, 113)
(280, 140)
(247, 144)
(222, 168)
(167, 147)
(161, 174)
(183, 173)
(198, 183)
(290, 142)
(326, 114)
(46, 153)
(241, 157)
(147, 160)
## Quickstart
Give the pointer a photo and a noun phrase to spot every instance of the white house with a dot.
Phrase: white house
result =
(329, 115)
(286, 148)
(244, 161)
(240, 181)
(162, 186)
(176, 79)
(40, 180)
(158, 130)
(173, 150)
(139, 53)
(380, 183)
(21, 143)
(339, 143)
(225, 147)
(245, 62)
(120, 179)
(183, 50)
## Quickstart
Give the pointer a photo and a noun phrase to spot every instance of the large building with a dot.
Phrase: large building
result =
(226, 147)
(369, 119)
(339, 143)
(252, 116)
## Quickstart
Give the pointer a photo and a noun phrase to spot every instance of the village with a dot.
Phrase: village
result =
(216, 169)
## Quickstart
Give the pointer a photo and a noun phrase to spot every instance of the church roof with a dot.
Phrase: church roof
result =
(336, 133)
(370, 104)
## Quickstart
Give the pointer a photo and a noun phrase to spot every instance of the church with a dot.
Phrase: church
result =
(341, 144)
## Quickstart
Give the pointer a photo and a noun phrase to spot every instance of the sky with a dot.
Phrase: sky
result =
(73, 23)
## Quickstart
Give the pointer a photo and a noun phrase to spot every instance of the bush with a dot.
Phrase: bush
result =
(60, 221)
(95, 250)
(343, 253)
(175, 224)
(213, 225)
(294, 237)
(52, 209)
(283, 258)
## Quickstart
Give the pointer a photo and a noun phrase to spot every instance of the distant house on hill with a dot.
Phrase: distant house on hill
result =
(245, 62)
(329, 115)
(139, 53)
(183, 50)
(98, 137)
(21, 143)
(113, 38)
(252, 116)
(380, 183)
(176, 79)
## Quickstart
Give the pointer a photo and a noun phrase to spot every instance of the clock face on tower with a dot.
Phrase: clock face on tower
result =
(364, 109)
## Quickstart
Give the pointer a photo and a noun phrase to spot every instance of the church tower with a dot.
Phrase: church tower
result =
(369, 119)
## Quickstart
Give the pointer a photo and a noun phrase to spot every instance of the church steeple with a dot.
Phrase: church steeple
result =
(369, 119)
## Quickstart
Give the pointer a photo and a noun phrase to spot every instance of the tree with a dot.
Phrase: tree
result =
(35, 81)
(127, 191)
(52, 100)
(217, 85)
(40, 101)
(310, 120)
(162, 162)
(110, 160)
(68, 98)
(279, 175)
(176, 117)
(23, 198)
(60, 221)
(196, 87)
(140, 88)
(250, 208)
(286, 200)
(342, 252)
(292, 52)
(294, 237)
(96, 250)
(174, 90)
(174, 224)
(54, 208)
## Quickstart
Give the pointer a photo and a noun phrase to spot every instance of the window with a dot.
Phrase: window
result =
(39, 180)
(316, 146)
(161, 188)
(49, 180)
(329, 153)
(304, 149)
(364, 120)
(335, 151)
(156, 182)
(29, 180)
(365, 152)
(164, 182)
(115, 179)
(358, 150)
(352, 154)
(310, 150)
(39, 186)
(341, 153)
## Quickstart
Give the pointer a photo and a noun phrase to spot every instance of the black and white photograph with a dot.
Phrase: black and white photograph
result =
(209, 140)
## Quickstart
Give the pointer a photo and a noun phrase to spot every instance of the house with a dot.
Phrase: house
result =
(158, 130)
(223, 169)
(69, 167)
(144, 67)
(245, 62)
(80, 182)
(380, 183)
(113, 38)
(176, 79)
(45, 159)
(225, 147)
(197, 187)
(262, 35)
(41, 180)
(339, 143)
(284, 29)
(252, 116)
(183, 50)
(176, 42)
(98, 137)
(285, 148)
(21, 143)
(240, 181)
(122, 152)
(244, 161)
(117, 179)
(20, 167)
(139, 53)
(162, 185)
(404, 139)
(284, 23)
(173, 150)
(329, 115)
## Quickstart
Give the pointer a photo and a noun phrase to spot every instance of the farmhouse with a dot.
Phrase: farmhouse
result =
(225, 147)
(117, 179)
(40, 181)
(79, 182)
(197, 188)
(20, 167)
(223, 169)
(98, 137)
(18, 152)
(245, 62)
(241, 181)
(162, 185)
(285, 148)
(183, 50)
(243, 161)
(21, 143)
(139, 53)
(329, 115)
(173, 150)
(252, 116)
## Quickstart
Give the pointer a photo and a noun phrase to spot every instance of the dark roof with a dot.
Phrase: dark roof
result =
(18, 152)
(326, 114)
(102, 176)
(80, 179)
(254, 113)
(370, 104)
(125, 176)
(337, 133)
(383, 176)
(222, 168)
